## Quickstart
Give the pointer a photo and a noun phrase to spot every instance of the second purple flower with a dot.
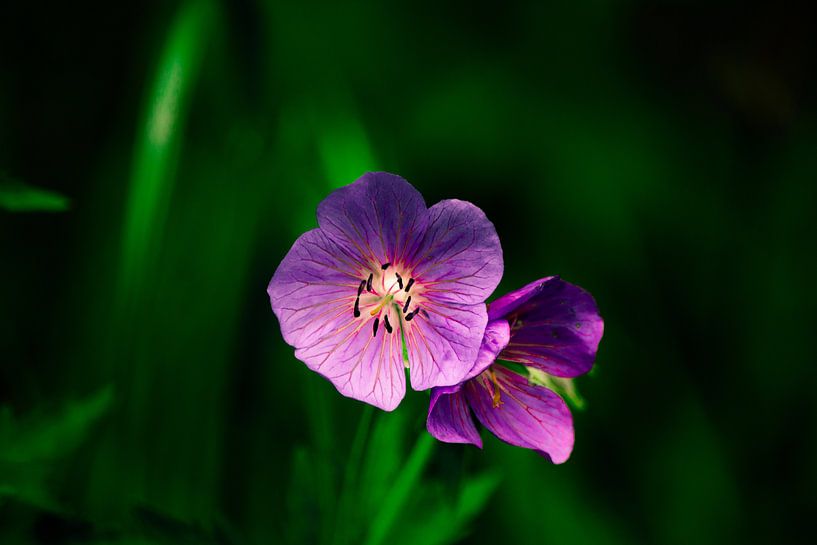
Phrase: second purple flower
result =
(553, 329)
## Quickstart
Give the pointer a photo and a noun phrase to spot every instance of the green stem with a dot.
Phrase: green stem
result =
(399, 313)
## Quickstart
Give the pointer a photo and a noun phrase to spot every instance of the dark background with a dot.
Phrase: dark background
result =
(158, 160)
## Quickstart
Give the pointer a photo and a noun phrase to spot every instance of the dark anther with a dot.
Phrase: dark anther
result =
(412, 314)
(386, 323)
(385, 266)
(374, 329)
(357, 306)
(408, 286)
(360, 288)
(399, 280)
(369, 282)
(408, 302)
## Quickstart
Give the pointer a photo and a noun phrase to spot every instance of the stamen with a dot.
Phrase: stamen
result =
(386, 323)
(408, 286)
(385, 266)
(412, 314)
(357, 306)
(408, 302)
(374, 329)
(496, 401)
(399, 280)
(360, 288)
(369, 283)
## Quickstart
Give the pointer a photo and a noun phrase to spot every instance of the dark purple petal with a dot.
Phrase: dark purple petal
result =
(460, 258)
(496, 337)
(505, 305)
(443, 342)
(555, 327)
(449, 418)
(380, 218)
(313, 295)
(527, 416)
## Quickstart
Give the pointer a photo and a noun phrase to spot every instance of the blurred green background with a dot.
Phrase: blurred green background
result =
(158, 159)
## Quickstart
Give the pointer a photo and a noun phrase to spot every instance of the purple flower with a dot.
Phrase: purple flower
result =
(551, 327)
(385, 283)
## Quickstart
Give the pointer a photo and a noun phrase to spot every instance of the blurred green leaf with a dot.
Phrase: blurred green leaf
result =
(434, 517)
(699, 498)
(302, 499)
(475, 494)
(157, 146)
(163, 528)
(16, 196)
(30, 447)
(565, 387)
(345, 151)
(383, 460)
(344, 529)
(44, 438)
(400, 490)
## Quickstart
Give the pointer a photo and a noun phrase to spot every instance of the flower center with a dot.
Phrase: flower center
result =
(388, 296)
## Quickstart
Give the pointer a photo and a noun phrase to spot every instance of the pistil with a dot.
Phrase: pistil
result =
(385, 301)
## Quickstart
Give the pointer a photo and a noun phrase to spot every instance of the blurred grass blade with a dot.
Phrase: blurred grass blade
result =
(46, 438)
(401, 490)
(433, 517)
(383, 461)
(475, 494)
(350, 477)
(345, 151)
(157, 146)
(16, 196)
(32, 447)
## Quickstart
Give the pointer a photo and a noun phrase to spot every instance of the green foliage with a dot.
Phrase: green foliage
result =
(16, 196)
(387, 494)
(32, 447)
(157, 147)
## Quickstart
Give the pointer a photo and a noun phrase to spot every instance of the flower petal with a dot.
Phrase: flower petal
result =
(496, 337)
(380, 218)
(460, 258)
(312, 294)
(313, 283)
(529, 416)
(449, 419)
(361, 365)
(555, 327)
(505, 305)
(443, 342)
